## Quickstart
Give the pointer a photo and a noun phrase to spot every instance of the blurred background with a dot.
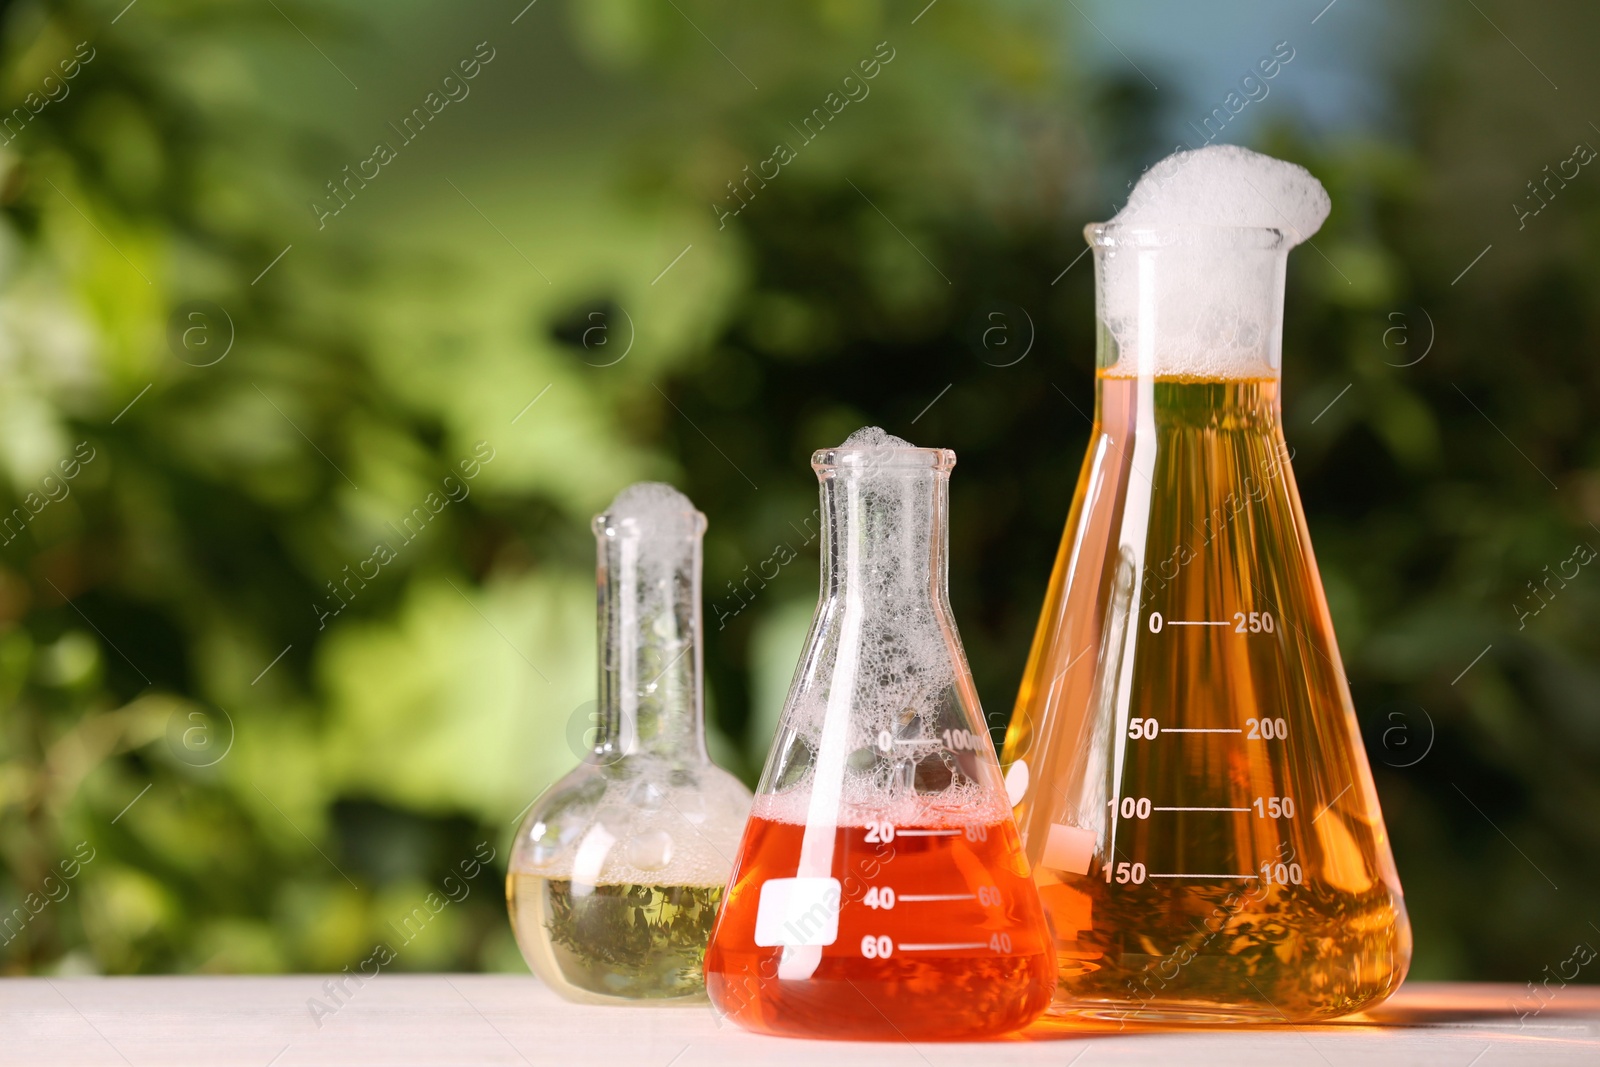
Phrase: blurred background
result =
(271, 271)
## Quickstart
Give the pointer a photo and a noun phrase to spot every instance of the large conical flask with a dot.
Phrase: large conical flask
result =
(1193, 792)
(618, 867)
(880, 891)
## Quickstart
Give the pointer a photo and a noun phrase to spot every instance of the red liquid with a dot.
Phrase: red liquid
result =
(999, 979)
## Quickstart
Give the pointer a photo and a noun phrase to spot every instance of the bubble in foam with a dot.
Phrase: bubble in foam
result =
(1204, 298)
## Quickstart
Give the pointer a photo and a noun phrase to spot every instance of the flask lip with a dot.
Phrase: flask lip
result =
(1113, 235)
(687, 525)
(864, 460)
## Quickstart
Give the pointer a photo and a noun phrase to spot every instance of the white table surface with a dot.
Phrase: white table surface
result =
(440, 1020)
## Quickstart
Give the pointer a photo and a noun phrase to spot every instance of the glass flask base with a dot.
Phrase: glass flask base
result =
(1203, 953)
(957, 948)
(614, 944)
(1186, 1013)
(954, 999)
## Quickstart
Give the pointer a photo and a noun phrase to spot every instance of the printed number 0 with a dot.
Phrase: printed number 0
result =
(1155, 622)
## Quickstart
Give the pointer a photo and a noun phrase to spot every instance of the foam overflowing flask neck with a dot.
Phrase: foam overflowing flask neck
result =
(1189, 302)
(1190, 780)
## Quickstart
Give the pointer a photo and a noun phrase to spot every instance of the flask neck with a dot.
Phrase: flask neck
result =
(885, 537)
(650, 692)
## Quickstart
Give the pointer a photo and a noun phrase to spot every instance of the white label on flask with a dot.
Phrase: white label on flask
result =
(1017, 782)
(1069, 848)
(798, 911)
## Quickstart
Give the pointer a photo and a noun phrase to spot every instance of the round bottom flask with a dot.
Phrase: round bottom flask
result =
(619, 867)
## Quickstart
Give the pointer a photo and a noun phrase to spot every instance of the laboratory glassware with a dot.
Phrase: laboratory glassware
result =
(618, 868)
(880, 890)
(1194, 794)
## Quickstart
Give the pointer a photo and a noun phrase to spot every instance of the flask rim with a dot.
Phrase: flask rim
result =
(686, 525)
(863, 460)
(1113, 235)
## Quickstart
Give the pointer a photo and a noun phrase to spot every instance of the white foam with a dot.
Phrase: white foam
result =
(642, 832)
(1208, 304)
(969, 804)
(905, 664)
(874, 437)
(650, 559)
(1225, 185)
(654, 508)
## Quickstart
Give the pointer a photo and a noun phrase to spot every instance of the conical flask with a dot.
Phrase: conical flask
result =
(1194, 795)
(880, 891)
(618, 868)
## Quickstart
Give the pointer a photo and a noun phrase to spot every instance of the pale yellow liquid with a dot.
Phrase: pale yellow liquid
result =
(610, 944)
(1186, 507)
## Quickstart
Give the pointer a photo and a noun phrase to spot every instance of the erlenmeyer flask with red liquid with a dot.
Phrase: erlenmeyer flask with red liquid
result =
(880, 890)
(1195, 799)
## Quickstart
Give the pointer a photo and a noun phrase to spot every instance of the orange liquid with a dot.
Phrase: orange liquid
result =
(996, 975)
(1240, 867)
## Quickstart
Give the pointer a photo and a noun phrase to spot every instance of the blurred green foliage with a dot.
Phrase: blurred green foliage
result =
(272, 762)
